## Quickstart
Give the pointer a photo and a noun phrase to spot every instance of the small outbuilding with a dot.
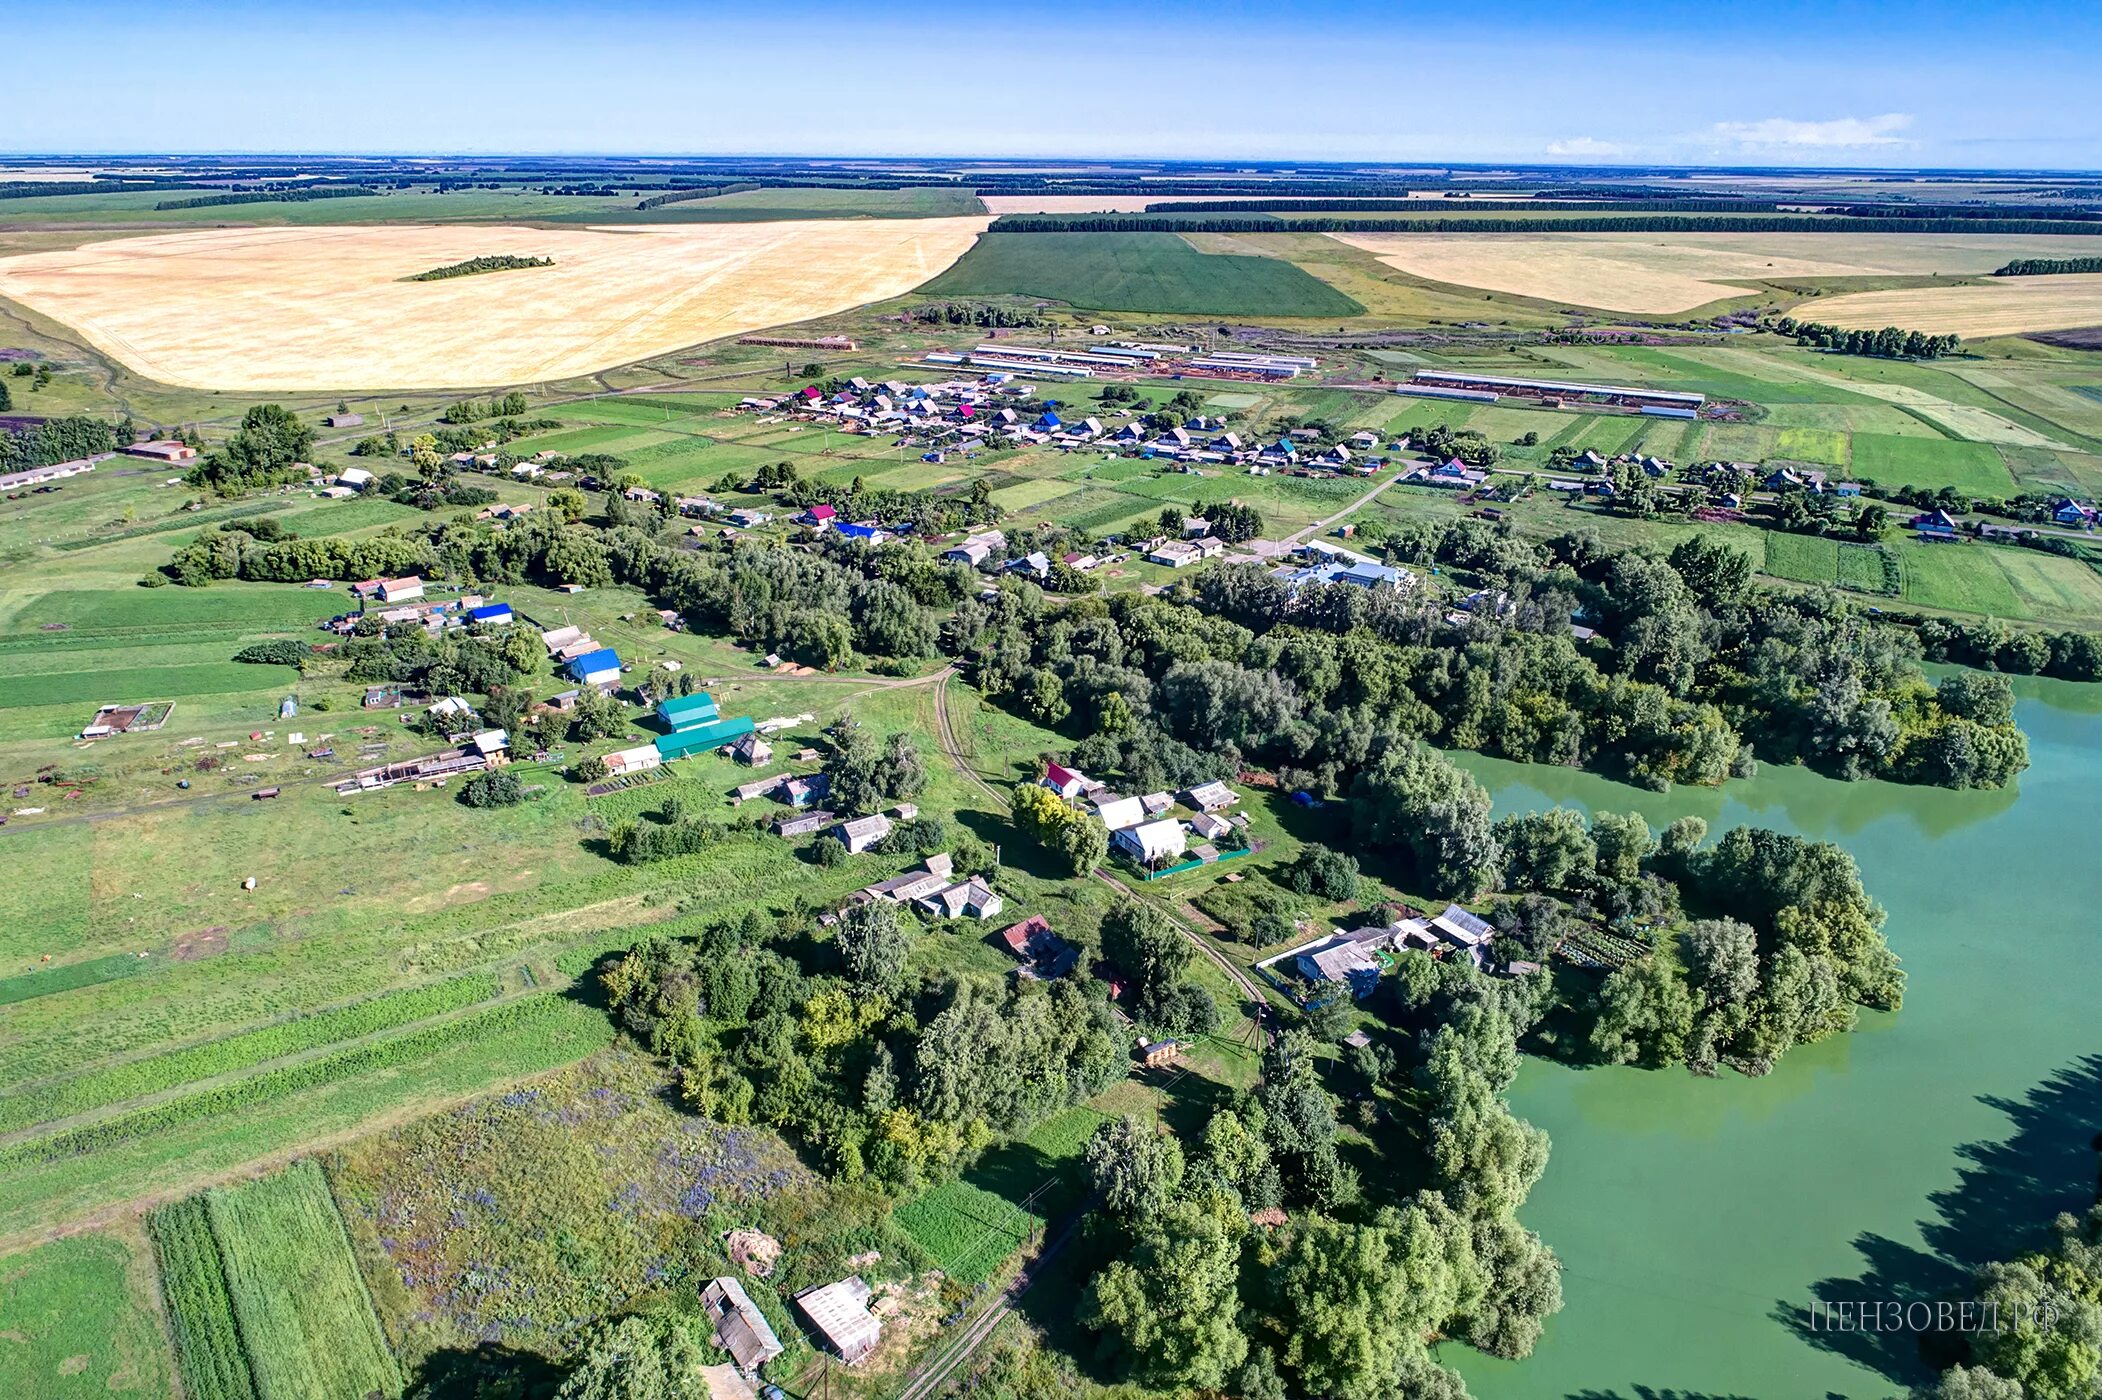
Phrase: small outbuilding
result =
(840, 1313)
(740, 1328)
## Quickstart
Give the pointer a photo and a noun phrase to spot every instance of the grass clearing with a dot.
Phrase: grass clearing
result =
(306, 1322)
(76, 1323)
(966, 1229)
(1143, 272)
(89, 688)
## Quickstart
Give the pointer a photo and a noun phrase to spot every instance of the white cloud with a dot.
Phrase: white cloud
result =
(1586, 146)
(1840, 133)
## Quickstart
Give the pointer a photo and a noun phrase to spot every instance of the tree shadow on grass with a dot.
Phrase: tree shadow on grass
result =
(487, 1372)
(2002, 1204)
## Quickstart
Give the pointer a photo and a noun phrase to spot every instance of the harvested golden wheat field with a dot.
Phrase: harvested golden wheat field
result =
(326, 308)
(2004, 306)
(1663, 273)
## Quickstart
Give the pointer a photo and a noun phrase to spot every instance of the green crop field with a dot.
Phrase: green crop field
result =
(76, 1323)
(143, 683)
(200, 1311)
(1144, 272)
(306, 1323)
(1972, 468)
(1862, 568)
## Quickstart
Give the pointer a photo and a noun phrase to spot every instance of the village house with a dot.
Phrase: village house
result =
(1343, 961)
(803, 823)
(970, 899)
(162, 450)
(904, 889)
(752, 751)
(1151, 843)
(1213, 796)
(1042, 954)
(860, 833)
(597, 668)
(1069, 783)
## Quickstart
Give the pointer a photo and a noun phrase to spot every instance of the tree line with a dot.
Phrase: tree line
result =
(1497, 206)
(1635, 223)
(687, 192)
(1890, 343)
(298, 196)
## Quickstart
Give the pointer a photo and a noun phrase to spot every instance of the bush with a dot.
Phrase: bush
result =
(828, 850)
(589, 770)
(498, 789)
(1324, 873)
(283, 652)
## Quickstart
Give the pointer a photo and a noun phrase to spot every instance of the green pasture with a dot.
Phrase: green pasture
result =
(76, 1322)
(1144, 272)
(1972, 468)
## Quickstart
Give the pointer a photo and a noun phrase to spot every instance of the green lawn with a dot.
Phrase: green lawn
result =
(1145, 272)
(75, 1323)
(1970, 467)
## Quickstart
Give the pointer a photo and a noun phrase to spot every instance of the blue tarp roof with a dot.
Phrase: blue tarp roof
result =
(489, 610)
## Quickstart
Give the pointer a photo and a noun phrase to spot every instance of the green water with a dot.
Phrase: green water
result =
(1697, 1219)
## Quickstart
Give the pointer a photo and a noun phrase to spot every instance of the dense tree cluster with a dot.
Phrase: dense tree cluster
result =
(1794, 946)
(2047, 267)
(1343, 1300)
(877, 1074)
(57, 440)
(268, 449)
(1698, 670)
(867, 774)
(1992, 645)
(1079, 841)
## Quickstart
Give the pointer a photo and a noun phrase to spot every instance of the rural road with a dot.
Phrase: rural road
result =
(1299, 536)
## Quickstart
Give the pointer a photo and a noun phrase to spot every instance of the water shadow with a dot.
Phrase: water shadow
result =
(2003, 1202)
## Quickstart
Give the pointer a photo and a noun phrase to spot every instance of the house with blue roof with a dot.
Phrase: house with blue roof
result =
(494, 614)
(1047, 423)
(601, 667)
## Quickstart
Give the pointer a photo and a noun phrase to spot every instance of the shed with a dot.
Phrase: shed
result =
(840, 1312)
(1210, 797)
(688, 742)
(1116, 813)
(752, 751)
(740, 1328)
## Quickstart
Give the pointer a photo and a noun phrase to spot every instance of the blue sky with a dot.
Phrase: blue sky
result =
(1981, 84)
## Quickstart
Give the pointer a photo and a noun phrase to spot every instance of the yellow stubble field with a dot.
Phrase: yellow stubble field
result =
(1665, 273)
(2004, 306)
(327, 308)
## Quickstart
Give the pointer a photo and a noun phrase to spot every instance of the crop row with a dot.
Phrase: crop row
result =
(527, 1014)
(200, 1311)
(116, 1083)
(969, 1231)
(306, 1321)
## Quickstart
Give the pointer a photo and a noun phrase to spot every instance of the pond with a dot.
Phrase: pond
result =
(1699, 1220)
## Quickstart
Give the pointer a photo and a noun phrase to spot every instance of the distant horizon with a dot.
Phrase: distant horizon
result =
(1899, 85)
(84, 156)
